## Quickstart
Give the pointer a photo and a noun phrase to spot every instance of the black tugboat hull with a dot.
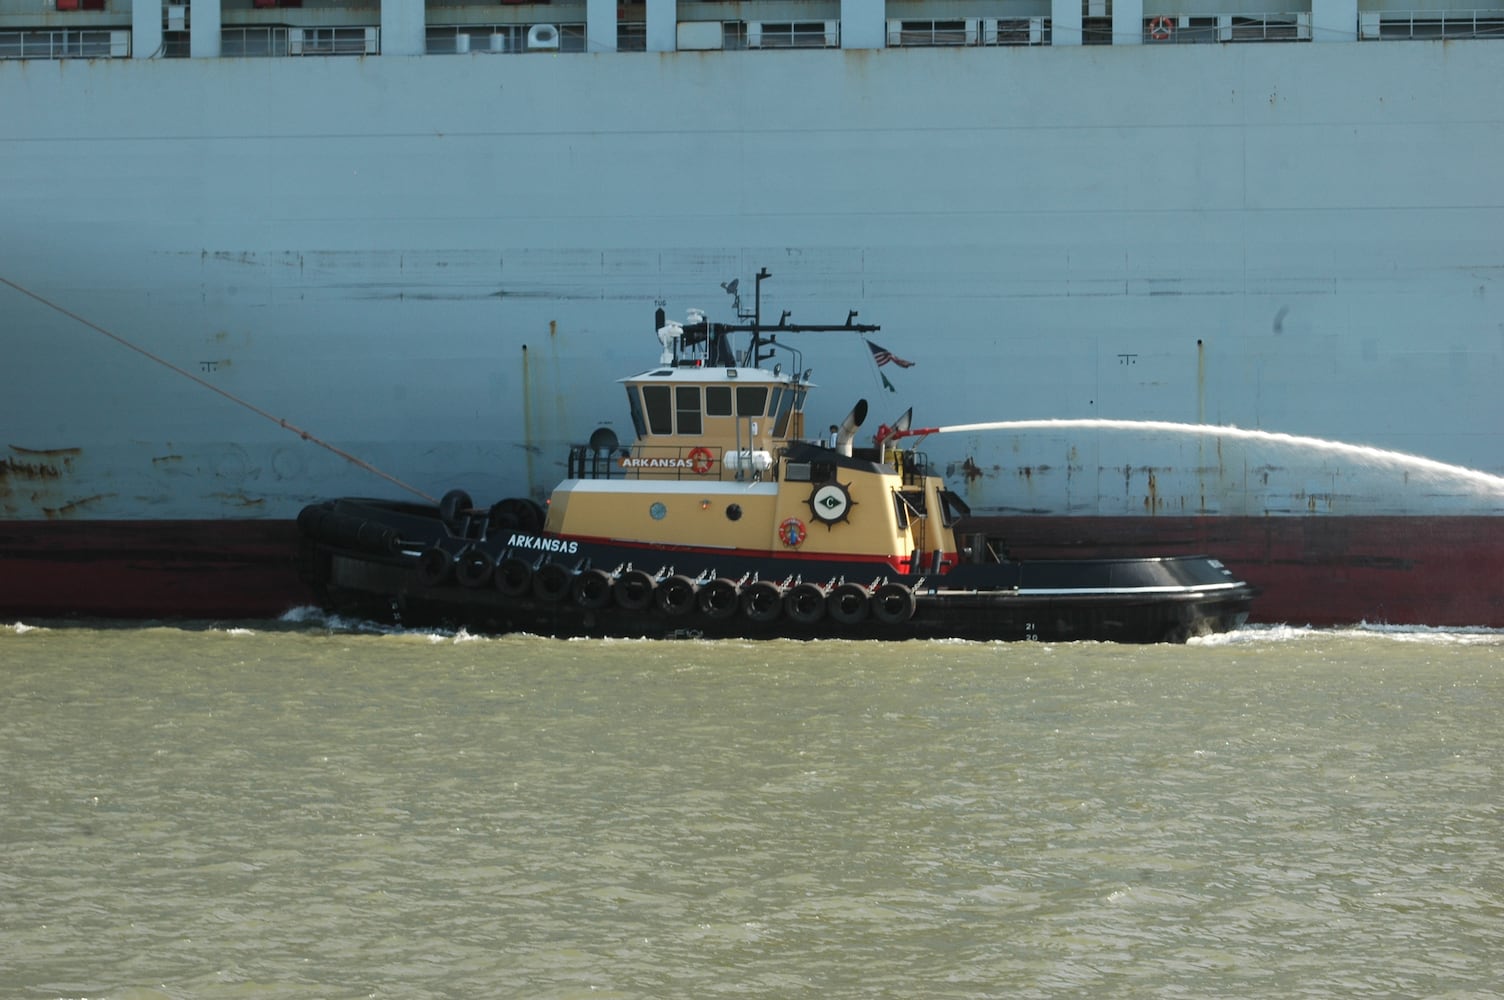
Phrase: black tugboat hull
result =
(405, 564)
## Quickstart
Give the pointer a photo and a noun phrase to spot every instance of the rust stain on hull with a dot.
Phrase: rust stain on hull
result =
(38, 464)
(74, 506)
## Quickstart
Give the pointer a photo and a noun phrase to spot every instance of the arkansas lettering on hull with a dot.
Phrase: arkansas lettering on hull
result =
(654, 463)
(543, 544)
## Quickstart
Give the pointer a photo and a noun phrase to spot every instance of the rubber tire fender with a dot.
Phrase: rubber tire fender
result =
(516, 514)
(474, 567)
(634, 590)
(514, 577)
(552, 582)
(893, 604)
(452, 505)
(719, 598)
(762, 602)
(805, 603)
(592, 589)
(434, 566)
(676, 595)
(848, 604)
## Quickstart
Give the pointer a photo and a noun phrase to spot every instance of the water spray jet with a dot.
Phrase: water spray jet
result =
(1366, 453)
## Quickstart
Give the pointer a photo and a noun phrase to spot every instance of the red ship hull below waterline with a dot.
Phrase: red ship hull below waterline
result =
(1324, 571)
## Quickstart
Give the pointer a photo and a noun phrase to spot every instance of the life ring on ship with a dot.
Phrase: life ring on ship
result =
(514, 577)
(847, 604)
(893, 604)
(719, 598)
(701, 460)
(792, 532)
(592, 589)
(634, 590)
(474, 567)
(676, 595)
(805, 603)
(762, 602)
(434, 565)
(1161, 27)
(552, 582)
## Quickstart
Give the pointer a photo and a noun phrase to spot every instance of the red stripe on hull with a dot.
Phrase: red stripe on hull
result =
(1445, 571)
(149, 569)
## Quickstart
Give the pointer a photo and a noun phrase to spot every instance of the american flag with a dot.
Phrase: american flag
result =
(883, 356)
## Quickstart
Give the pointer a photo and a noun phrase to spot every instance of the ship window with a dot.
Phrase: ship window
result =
(952, 508)
(909, 505)
(751, 400)
(687, 406)
(659, 405)
(718, 401)
(792, 400)
(635, 405)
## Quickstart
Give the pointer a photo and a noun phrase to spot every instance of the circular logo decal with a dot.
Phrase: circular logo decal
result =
(658, 512)
(792, 532)
(830, 503)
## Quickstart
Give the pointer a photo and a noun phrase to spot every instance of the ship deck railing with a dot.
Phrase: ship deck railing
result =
(1395, 25)
(103, 34)
(671, 463)
(65, 43)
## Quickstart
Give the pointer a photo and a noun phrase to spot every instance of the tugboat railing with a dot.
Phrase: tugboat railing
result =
(682, 463)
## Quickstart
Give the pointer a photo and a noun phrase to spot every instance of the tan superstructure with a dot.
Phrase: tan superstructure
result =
(719, 462)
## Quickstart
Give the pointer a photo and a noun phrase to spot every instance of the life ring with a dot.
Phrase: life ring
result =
(634, 590)
(676, 595)
(719, 598)
(592, 589)
(434, 565)
(701, 460)
(474, 567)
(847, 604)
(1161, 27)
(805, 603)
(762, 602)
(893, 604)
(514, 577)
(792, 532)
(552, 581)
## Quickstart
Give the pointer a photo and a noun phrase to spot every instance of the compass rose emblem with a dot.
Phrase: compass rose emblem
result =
(830, 503)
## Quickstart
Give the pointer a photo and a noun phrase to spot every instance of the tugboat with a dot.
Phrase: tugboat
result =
(722, 519)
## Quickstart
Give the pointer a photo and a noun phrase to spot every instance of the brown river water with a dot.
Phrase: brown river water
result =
(310, 808)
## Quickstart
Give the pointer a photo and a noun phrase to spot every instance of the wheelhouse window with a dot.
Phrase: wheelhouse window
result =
(634, 403)
(791, 400)
(687, 408)
(718, 401)
(658, 401)
(751, 400)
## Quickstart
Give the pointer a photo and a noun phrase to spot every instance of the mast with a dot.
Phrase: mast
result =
(713, 334)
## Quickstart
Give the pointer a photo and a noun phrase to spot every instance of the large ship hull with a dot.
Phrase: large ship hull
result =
(1324, 571)
(434, 262)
